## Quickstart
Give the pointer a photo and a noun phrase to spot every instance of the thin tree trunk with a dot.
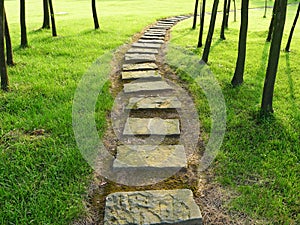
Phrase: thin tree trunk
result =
(266, 6)
(24, 42)
(94, 9)
(195, 14)
(200, 44)
(46, 20)
(287, 48)
(227, 13)
(271, 27)
(222, 35)
(9, 51)
(4, 77)
(279, 22)
(54, 34)
(238, 77)
(234, 9)
(210, 31)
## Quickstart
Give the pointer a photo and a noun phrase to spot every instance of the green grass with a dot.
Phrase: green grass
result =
(43, 178)
(259, 157)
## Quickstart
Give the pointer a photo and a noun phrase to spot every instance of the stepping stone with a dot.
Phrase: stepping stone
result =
(146, 45)
(151, 41)
(139, 58)
(143, 157)
(155, 34)
(149, 74)
(166, 22)
(152, 37)
(160, 27)
(162, 207)
(153, 31)
(154, 103)
(152, 126)
(142, 66)
(143, 50)
(147, 86)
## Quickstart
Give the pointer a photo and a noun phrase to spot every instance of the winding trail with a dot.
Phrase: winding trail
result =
(152, 126)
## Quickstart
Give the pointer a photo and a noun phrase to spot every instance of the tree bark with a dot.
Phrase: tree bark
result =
(200, 44)
(227, 13)
(222, 35)
(279, 22)
(46, 20)
(234, 9)
(210, 31)
(271, 27)
(54, 34)
(24, 42)
(9, 51)
(287, 48)
(195, 14)
(238, 77)
(94, 9)
(4, 77)
(266, 6)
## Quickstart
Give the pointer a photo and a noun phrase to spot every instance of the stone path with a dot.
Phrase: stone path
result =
(147, 91)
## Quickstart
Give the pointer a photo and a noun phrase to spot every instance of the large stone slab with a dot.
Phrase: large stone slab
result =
(141, 66)
(139, 58)
(151, 41)
(142, 50)
(160, 27)
(147, 86)
(146, 45)
(152, 37)
(144, 157)
(154, 103)
(148, 74)
(162, 207)
(155, 34)
(151, 126)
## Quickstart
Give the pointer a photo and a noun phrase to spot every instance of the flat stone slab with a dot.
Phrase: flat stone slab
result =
(151, 41)
(154, 103)
(163, 207)
(139, 58)
(162, 157)
(146, 45)
(152, 126)
(154, 31)
(152, 37)
(160, 27)
(155, 34)
(142, 66)
(149, 74)
(143, 50)
(147, 86)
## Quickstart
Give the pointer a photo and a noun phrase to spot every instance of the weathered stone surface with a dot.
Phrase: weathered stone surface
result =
(147, 86)
(146, 45)
(160, 27)
(154, 103)
(151, 41)
(149, 74)
(143, 50)
(163, 157)
(141, 66)
(152, 126)
(139, 58)
(152, 37)
(155, 34)
(173, 207)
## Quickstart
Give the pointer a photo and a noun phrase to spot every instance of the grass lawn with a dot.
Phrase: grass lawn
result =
(259, 158)
(43, 177)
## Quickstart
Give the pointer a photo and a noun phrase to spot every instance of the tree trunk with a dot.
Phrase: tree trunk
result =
(4, 77)
(271, 27)
(222, 35)
(234, 9)
(279, 22)
(227, 14)
(46, 20)
(210, 31)
(238, 77)
(195, 14)
(9, 51)
(54, 34)
(24, 42)
(287, 48)
(200, 44)
(266, 6)
(94, 9)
